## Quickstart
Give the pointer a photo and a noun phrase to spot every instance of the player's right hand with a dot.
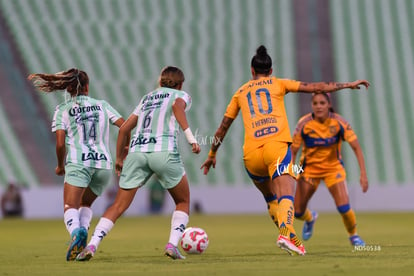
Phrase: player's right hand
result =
(60, 170)
(196, 148)
(364, 182)
(210, 161)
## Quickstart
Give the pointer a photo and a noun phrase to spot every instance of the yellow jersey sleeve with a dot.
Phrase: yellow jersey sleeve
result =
(297, 138)
(290, 85)
(348, 133)
(233, 107)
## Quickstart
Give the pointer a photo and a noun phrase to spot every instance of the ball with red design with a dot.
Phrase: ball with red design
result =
(194, 240)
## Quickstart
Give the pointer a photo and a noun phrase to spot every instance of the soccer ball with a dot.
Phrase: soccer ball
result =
(194, 240)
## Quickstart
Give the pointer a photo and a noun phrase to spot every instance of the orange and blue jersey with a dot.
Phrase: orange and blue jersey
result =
(321, 152)
(261, 102)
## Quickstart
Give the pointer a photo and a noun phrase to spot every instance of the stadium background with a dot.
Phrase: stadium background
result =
(123, 44)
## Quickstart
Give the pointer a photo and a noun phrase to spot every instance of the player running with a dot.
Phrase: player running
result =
(81, 125)
(267, 155)
(153, 150)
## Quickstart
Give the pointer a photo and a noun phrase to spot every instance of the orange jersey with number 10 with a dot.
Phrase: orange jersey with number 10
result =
(263, 109)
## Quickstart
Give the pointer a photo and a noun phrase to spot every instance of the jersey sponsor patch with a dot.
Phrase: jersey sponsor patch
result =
(265, 131)
(141, 140)
(93, 156)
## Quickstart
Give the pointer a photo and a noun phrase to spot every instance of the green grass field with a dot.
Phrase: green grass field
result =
(239, 244)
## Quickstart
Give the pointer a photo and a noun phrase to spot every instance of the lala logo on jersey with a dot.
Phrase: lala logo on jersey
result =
(141, 140)
(93, 156)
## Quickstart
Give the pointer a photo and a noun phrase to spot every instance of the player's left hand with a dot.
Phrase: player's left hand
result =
(119, 164)
(358, 83)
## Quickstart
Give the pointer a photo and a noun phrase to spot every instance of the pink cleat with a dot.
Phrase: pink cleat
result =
(285, 244)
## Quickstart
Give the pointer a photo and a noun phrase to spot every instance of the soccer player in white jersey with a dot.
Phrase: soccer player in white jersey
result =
(81, 125)
(153, 150)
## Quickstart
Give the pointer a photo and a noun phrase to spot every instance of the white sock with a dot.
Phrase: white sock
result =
(85, 217)
(179, 221)
(71, 219)
(101, 230)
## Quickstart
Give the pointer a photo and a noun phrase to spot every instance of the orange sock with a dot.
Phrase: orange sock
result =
(349, 218)
(285, 215)
(307, 216)
(272, 207)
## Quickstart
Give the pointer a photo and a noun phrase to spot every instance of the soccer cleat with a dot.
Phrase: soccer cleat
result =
(285, 244)
(302, 249)
(173, 252)
(86, 253)
(356, 240)
(308, 227)
(77, 243)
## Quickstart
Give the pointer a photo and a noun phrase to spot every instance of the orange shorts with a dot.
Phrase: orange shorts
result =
(270, 160)
(330, 178)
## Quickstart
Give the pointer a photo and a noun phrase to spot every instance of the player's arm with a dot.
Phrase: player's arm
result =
(60, 151)
(123, 141)
(297, 139)
(178, 108)
(315, 87)
(361, 162)
(119, 123)
(218, 138)
(296, 144)
(294, 150)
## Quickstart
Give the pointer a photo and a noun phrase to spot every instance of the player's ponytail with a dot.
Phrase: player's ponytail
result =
(261, 62)
(74, 81)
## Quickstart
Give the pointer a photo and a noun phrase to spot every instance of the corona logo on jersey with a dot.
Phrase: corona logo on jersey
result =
(81, 109)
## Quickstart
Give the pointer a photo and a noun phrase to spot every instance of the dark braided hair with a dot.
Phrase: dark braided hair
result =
(73, 80)
(261, 62)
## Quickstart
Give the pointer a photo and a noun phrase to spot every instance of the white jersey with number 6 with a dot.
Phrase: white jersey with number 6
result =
(157, 127)
(86, 123)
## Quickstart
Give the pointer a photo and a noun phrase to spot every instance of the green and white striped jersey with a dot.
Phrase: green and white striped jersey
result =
(157, 127)
(86, 123)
